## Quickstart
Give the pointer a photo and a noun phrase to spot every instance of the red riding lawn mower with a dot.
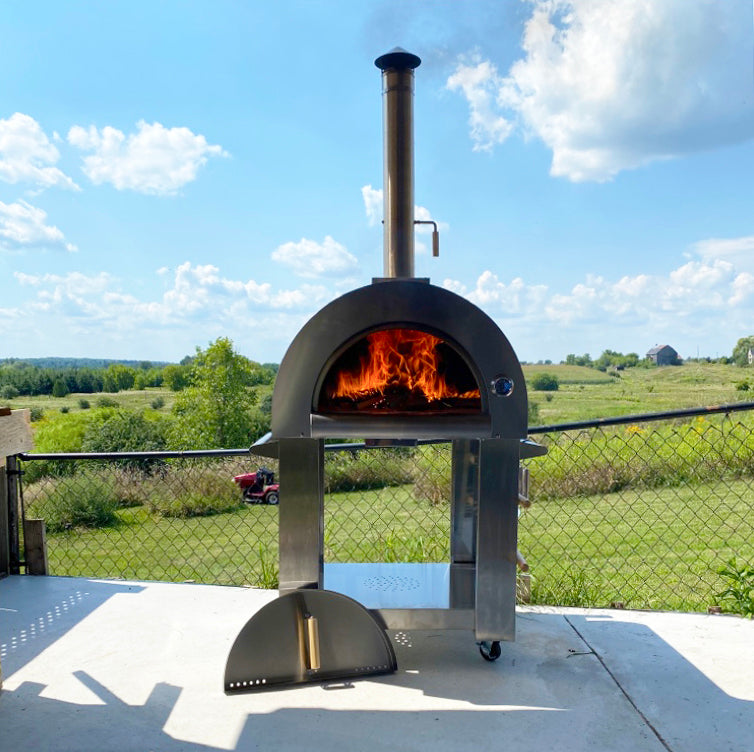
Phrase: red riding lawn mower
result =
(259, 487)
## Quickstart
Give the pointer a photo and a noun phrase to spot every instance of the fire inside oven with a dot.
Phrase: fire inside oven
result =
(396, 371)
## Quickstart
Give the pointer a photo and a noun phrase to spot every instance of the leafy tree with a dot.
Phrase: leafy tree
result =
(578, 360)
(148, 377)
(88, 381)
(8, 392)
(741, 351)
(215, 411)
(176, 377)
(118, 378)
(59, 388)
(613, 358)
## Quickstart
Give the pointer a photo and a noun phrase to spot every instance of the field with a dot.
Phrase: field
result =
(586, 393)
(583, 394)
(133, 399)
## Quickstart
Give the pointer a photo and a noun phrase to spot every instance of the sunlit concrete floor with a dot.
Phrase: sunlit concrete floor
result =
(113, 665)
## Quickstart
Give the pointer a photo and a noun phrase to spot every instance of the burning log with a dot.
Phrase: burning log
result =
(400, 370)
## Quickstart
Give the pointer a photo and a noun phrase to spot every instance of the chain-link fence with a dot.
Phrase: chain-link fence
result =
(642, 511)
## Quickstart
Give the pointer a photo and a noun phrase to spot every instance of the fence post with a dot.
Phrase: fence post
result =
(35, 547)
(4, 529)
(15, 437)
(13, 474)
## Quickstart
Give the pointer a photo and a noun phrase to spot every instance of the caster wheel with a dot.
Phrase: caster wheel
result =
(490, 651)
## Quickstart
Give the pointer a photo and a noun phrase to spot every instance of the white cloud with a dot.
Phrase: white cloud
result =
(197, 291)
(24, 226)
(307, 258)
(154, 160)
(739, 251)
(373, 205)
(202, 290)
(742, 289)
(27, 155)
(610, 86)
(479, 82)
(513, 299)
(701, 302)
(96, 312)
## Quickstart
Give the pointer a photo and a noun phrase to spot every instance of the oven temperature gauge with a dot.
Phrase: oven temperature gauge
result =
(502, 386)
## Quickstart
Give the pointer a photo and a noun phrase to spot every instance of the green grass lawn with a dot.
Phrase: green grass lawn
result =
(659, 549)
(240, 548)
(226, 549)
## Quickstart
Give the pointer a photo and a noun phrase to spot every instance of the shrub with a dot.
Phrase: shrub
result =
(208, 493)
(36, 413)
(126, 431)
(346, 471)
(742, 386)
(65, 409)
(123, 431)
(544, 382)
(107, 402)
(75, 501)
(158, 403)
(84, 404)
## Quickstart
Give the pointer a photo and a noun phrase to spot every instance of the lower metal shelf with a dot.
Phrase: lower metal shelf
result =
(402, 596)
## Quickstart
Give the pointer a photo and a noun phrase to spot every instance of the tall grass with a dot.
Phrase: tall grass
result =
(352, 471)
(66, 503)
(603, 461)
(208, 492)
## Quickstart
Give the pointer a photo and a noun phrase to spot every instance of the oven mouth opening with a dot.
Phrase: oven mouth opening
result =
(400, 370)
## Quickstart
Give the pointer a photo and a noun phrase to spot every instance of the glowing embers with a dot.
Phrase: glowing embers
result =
(399, 371)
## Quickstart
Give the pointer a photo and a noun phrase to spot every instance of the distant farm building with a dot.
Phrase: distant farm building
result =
(663, 355)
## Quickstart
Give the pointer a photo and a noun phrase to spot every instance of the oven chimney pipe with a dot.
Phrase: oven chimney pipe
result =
(397, 68)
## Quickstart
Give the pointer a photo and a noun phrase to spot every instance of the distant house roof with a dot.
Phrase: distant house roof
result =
(658, 348)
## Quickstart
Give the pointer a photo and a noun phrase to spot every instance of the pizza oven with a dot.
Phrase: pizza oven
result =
(399, 360)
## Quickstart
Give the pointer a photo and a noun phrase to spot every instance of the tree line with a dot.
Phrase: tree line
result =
(219, 407)
(24, 378)
(613, 359)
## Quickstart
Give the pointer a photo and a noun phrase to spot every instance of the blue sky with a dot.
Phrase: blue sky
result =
(171, 172)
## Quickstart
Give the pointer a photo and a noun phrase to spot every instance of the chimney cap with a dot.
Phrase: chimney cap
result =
(399, 59)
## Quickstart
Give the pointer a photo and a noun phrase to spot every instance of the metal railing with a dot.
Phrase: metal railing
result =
(638, 510)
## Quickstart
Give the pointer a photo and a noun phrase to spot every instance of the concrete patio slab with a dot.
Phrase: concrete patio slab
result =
(113, 665)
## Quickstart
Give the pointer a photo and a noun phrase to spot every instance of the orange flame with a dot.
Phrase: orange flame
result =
(399, 359)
